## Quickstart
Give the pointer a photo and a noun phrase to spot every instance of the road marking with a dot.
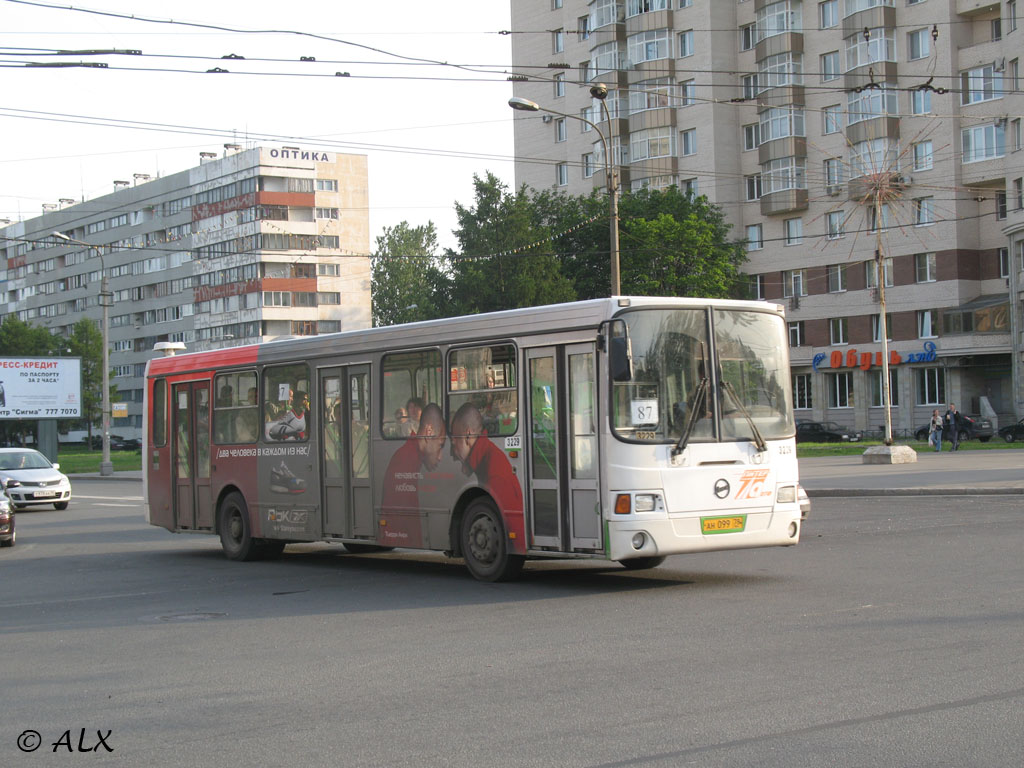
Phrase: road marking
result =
(133, 506)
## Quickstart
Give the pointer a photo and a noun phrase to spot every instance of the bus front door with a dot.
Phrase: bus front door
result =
(345, 459)
(565, 511)
(193, 506)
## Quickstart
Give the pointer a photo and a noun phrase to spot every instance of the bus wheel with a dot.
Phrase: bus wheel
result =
(235, 536)
(642, 563)
(365, 549)
(483, 544)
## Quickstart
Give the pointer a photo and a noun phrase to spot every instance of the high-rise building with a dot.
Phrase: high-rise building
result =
(826, 131)
(247, 247)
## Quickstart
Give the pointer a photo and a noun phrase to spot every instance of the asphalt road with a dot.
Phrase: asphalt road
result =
(889, 637)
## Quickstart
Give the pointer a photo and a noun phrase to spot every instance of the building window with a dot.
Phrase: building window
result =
(686, 44)
(931, 386)
(837, 330)
(873, 156)
(830, 66)
(878, 393)
(802, 391)
(753, 185)
(796, 334)
(983, 142)
(794, 283)
(871, 103)
(871, 273)
(780, 70)
(835, 225)
(1004, 262)
(876, 327)
(778, 18)
(784, 173)
(833, 173)
(587, 161)
(920, 102)
(326, 185)
(840, 390)
(327, 213)
(1018, 193)
(557, 41)
(828, 14)
(880, 45)
(583, 28)
(559, 83)
(924, 267)
(794, 229)
(757, 287)
(651, 94)
(836, 278)
(687, 93)
(782, 122)
(981, 84)
(562, 174)
(927, 323)
(747, 37)
(924, 211)
(751, 134)
(923, 156)
(918, 44)
(654, 142)
(755, 241)
(1016, 133)
(831, 119)
(636, 7)
(873, 216)
(560, 133)
(689, 187)
(749, 83)
(651, 45)
(688, 141)
(1011, 15)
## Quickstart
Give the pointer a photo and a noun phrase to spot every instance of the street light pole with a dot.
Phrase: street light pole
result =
(598, 91)
(106, 466)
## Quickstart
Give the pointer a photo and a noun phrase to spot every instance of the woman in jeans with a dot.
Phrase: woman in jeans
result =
(935, 430)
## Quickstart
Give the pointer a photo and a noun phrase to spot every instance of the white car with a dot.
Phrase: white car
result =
(30, 479)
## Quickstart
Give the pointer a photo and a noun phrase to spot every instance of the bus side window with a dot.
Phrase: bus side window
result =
(159, 410)
(411, 380)
(286, 403)
(235, 408)
(484, 379)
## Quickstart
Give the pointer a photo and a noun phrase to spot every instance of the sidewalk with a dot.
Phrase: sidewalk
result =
(946, 473)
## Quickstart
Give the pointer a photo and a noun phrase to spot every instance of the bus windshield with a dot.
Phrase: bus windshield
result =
(672, 356)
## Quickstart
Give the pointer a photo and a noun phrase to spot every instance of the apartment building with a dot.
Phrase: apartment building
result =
(827, 132)
(245, 247)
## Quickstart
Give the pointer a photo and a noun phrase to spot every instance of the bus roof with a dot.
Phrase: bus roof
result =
(550, 318)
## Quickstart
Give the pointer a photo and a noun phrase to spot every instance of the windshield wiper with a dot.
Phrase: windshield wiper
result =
(758, 439)
(700, 395)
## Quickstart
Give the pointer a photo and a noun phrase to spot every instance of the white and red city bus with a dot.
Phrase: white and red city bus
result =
(624, 429)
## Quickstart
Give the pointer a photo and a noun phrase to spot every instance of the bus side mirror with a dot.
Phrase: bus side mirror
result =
(620, 358)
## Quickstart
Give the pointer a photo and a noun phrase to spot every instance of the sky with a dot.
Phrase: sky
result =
(426, 129)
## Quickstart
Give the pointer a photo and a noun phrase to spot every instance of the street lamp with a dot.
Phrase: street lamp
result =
(599, 91)
(106, 467)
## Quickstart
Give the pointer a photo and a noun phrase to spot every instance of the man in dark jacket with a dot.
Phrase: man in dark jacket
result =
(954, 423)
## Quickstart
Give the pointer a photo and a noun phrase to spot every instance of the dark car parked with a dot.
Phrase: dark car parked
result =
(825, 432)
(1012, 432)
(971, 427)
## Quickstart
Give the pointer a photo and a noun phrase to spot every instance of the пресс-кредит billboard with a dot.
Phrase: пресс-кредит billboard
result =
(40, 388)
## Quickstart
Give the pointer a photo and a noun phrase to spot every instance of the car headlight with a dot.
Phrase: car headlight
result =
(12, 484)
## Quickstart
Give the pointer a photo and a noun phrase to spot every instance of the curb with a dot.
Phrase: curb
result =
(117, 478)
(843, 492)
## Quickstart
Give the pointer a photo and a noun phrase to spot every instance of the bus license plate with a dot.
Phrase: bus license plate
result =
(728, 524)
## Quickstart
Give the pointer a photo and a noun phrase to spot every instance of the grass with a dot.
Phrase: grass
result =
(807, 450)
(77, 459)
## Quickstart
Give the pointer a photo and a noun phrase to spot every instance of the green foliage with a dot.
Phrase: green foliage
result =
(408, 277)
(534, 248)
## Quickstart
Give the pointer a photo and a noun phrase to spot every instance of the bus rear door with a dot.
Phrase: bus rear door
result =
(193, 506)
(564, 501)
(345, 459)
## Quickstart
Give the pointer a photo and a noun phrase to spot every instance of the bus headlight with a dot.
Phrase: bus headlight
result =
(786, 494)
(644, 502)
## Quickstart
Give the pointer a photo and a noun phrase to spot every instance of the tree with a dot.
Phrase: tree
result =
(86, 342)
(495, 269)
(408, 276)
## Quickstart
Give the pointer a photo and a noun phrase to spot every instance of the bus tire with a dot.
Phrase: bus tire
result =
(365, 549)
(484, 544)
(235, 533)
(642, 563)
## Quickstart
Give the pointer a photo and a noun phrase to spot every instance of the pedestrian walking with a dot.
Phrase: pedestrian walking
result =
(935, 430)
(953, 422)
